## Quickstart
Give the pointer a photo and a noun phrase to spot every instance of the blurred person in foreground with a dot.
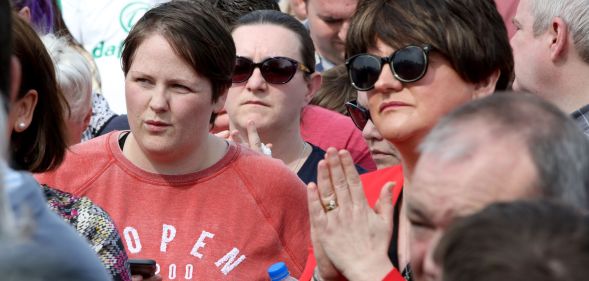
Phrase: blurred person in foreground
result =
(518, 241)
(39, 139)
(507, 147)
(35, 243)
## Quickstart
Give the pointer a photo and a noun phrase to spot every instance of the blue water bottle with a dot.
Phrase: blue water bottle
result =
(279, 272)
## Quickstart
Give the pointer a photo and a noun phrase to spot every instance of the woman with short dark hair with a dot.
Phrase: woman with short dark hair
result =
(416, 61)
(202, 207)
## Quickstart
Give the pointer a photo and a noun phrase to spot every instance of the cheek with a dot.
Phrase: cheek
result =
(418, 249)
(232, 98)
(134, 97)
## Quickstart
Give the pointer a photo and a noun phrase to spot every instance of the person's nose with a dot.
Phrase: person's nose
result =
(256, 82)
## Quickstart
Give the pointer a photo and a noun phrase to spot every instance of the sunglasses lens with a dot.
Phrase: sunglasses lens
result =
(359, 115)
(278, 70)
(364, 71)
(243, 70)
(409, 64)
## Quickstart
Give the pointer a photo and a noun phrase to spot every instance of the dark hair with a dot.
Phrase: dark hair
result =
(469, 33)
(195, 33)
(232, 10)
(336, 89)
(41, 13)
(517, 241)
(41, 147)
(5, 50)
(287, 21)
(558, 148)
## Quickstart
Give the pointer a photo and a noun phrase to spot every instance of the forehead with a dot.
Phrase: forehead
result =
(266, 40)
(524, 9)
(380, 48)
(333, 8)
(443, 191)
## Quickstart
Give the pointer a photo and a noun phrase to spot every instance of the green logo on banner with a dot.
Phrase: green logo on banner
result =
(131, 14)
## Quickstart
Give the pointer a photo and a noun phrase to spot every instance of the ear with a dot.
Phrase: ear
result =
(487, 86)
(87, 119)
(23, 110)
(25, 13)
(313, 84)
(559, 38)
(15, 76)
(220, 103)
(299, 9)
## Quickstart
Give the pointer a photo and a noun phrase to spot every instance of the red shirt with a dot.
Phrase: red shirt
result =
(325, 128)
(227, 222)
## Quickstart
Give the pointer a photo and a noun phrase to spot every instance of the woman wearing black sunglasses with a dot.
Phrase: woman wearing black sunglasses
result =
(416, 61)
(273, 80)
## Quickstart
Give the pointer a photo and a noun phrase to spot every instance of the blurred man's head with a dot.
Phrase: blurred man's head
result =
(502, 148)
(517, 241)
(328, 24)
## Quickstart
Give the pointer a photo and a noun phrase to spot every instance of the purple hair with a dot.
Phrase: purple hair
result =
(41, 14)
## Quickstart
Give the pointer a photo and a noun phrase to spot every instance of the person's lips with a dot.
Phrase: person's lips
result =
(255, 102)
(392, 105)
(156, 125)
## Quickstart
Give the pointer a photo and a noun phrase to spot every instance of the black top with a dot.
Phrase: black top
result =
(393, 253)
(308, 172)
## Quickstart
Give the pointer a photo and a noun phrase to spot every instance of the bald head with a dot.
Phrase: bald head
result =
(501, 148)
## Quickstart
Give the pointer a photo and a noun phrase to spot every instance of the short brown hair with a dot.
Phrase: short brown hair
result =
(278, 18)
(195, 33)
(41, 147)
(469, 33)
(336, 89)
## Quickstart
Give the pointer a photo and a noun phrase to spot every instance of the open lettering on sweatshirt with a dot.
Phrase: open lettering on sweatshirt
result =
(225, 263)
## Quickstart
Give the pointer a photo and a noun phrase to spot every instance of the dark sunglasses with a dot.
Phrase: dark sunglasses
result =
(276, 70)
(358, 113)
(408, 64)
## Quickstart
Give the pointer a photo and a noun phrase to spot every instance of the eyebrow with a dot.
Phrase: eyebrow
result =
(330, 17)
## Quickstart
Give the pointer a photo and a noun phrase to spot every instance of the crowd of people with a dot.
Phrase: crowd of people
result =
(360, 140)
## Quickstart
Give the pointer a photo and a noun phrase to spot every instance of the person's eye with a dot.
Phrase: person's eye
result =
(332, 21)
(181, 88)
(420, 227)
(143, 81)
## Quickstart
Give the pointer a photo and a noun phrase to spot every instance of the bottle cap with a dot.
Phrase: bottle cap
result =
(278, 271)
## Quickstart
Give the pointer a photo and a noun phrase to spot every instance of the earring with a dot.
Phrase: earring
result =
(22, 125)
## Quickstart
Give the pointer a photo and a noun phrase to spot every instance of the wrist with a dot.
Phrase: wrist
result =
(370, 271)
(317, 276)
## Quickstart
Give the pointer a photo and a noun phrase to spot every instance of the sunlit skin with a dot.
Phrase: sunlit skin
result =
(530, 58)
(329, 21)
(275, 109)
(169, 107)
(271, 106)
(405, 112)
